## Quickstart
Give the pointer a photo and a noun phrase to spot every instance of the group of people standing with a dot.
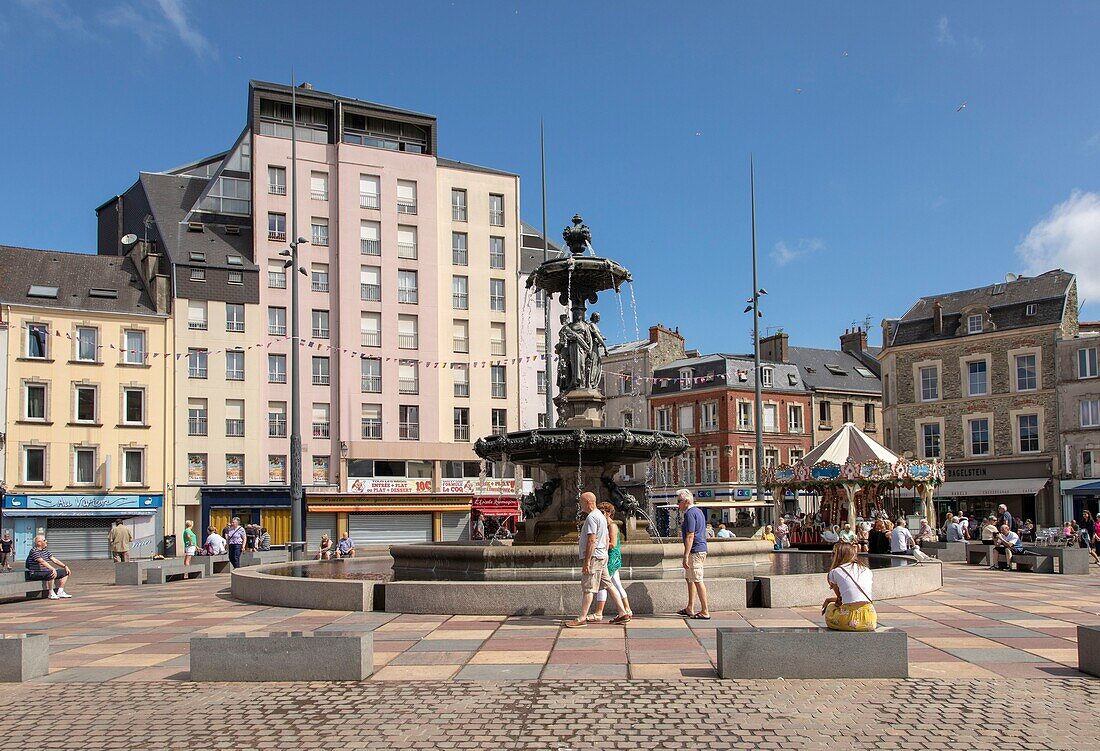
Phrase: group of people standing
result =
(234, 540)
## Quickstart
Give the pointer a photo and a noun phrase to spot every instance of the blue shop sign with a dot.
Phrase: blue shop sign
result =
(76, 502)
(704, 493)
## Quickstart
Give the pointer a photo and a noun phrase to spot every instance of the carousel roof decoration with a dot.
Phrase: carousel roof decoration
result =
(850, 456)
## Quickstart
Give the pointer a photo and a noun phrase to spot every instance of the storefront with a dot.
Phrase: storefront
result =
(1079, 496)
(499, 515)
(267, 506)
(76, 526)
(1025, 487)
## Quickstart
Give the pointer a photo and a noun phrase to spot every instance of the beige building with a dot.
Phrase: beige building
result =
(89, 369)
(970, 377)
(1079, 420)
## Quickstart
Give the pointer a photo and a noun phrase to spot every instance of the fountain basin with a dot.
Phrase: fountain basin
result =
(586, 274)
(566, 447)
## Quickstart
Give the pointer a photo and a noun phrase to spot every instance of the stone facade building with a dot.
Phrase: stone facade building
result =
(1079, 420)
(627, 384)
(970, 377)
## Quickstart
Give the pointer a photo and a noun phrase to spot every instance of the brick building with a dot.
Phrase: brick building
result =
(969, 377)
(1079, 420)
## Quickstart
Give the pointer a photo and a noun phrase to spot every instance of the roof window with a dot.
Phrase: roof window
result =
(998, 289)
(864, 372)
(234, 260)
(232, 229)
(197, 255)
(38, 290)
(836, 369)
(103, 292)
(194, 226)
(792, 379)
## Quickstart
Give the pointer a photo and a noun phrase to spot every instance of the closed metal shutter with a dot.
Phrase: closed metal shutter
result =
(456, 525)
(78, 538)
(386, 529)
(317, 525)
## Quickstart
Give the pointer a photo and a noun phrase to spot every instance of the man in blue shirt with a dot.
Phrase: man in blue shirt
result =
(345, 548)
(694, 533)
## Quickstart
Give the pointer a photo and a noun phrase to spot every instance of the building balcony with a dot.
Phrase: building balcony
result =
(406, 206)
(496, 218)
(410, 431)
(371, 384)
(371, 338)
(276, 377)
(276, 235)
(276, 190)
(460, 302)
(460, 257)
(371, 430)
(197, 325)
(319, 286)
(746, 476)
(710, 476)
(497, 348)
(407, 341)
(462, 388)
(320, 333)
(408, 385)
(408, 295)
(276, 428)
(460, 345)
(235, 327)
(406, 250)
(499, 391)
(370, 201)
(496, 260)
(370, 292)
(319, 239)
(320, 429)
(234, 375)
(500, 429)
(196, 372)
(319, 195)
(462, 432)
(276, 330)
(276, 280)
(196, 426)
(370, 247)
(234, 428)
(320, 379)
(458, 213)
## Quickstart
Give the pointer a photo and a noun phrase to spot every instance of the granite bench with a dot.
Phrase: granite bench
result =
(1088, 650)
(14, 585)
(134, 573)
(279, 656)
(812, 653)
(23, 657)
(1041, 564)
(262, 557)
(978, 554)
(215, 564)
(1064, 560)
(173, 570)
(945, 551)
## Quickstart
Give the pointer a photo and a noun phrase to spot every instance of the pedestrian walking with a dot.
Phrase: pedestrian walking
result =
(235, 540)
(614, 563)
(852, 606)
(593, 554)
(693, 533)
(190, 541)
(782, 534)
(119, 540)
(7, 550)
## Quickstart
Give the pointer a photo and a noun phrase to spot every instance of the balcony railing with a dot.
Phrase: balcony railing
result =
(410, 431)
(496, 217)
(319, 238)
(500, 429)
(460, 257)
(497, 348)
(372, 429)
(196, 372)
(462, 388)
(370, 247)
(746, 476)
(318, 285)
(407, 295)
(406, 206)
(319, 195)
(197, 325)
(496, 260)
(276, 235)
(234, 375)
(371, 338)
(460, 301)
(710, 475)
(370, 292)
(371, 384)
(276, 329)
(320, 379)
(234, 326)
(542, 387)
(320, 333)
(196, 426)
(406, 250)
(369, 201)
(496, 303)
(458, 213)
(461, 344)
(320, 429)
(274, 376)
(499, 391)
(276, 190)
(276, 280)
(276, 428)
(234, 428)
(462, 432)
(407, 341)
(408, 385)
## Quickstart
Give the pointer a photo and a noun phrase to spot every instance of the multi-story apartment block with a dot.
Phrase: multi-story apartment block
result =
(534, 364)
(1079, 420)
(628, 383)
(844, 384)
(969, 377)
(88, 364)
(711, 400)
(408, 313)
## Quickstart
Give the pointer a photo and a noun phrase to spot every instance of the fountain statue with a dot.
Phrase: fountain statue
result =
(580, 454)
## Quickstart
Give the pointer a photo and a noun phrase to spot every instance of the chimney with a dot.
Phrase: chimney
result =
(774, 348)
(937, 318)
(656, 332)
(854, 341)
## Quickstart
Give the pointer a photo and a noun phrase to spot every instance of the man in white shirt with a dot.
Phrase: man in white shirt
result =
(1006, 542)
(215, 543)
(901, 539)
(964, 525)
(593, 555)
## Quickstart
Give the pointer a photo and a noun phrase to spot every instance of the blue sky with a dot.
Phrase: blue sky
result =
(872, 187)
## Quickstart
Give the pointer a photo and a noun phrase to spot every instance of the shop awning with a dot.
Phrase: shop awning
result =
(961, 488)
(1089, 488)
(725, 504)
(113, 513)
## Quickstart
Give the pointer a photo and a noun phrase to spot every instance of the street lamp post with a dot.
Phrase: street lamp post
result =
(297, 515)
(754, 306)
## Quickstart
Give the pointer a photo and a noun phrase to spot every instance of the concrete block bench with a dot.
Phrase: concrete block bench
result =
(1088, 650)
(24, 656)
(261, 557)
(1065, 560)
(215, 564)
(280, 656)
(812, 653)
(134, 573)
(978, 555)
(945, 551)
(1040, 564)
(14, 585)
(173, 570)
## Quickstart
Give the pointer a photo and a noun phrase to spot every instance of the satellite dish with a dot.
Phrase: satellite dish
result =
(1010, 277)
(129, 239)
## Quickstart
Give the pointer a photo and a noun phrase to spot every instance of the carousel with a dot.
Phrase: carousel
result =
(855, 477)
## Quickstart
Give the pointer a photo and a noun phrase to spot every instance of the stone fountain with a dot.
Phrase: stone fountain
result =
(581, 454)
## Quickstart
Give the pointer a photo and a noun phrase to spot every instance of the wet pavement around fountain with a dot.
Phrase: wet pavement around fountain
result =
(992, 659)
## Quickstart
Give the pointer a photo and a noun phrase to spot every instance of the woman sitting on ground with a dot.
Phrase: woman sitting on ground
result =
(852, 609)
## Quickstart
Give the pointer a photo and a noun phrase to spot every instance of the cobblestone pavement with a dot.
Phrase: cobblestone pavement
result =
(993, 659)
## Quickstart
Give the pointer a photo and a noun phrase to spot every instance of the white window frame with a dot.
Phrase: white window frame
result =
(76, 451)
(918, 380)
(124, 417)
(971, 320)
(25, 412)
(124, 453)
(1087, 362)
(94, 343)
(24, 465)
(923, 443)
(1014, 368)
(1017, 435)
(985, 360)
(1089, 413)
(46, 348)
(968, 433)
(77, 388)
(767, 376)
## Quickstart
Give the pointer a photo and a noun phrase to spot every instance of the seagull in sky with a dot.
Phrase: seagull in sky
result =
(844, 53)
(798, 91)
(961, 107)
(698, 132)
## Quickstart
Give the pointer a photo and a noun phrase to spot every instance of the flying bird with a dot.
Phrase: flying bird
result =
(844, 53)
(698, 132)
(798, 91)
(961, 107)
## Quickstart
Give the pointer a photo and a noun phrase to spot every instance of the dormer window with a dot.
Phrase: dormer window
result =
(686, 376)
(974, 324)
(1031, 309)
(766, 376)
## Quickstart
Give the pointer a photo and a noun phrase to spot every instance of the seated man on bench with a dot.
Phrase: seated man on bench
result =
(1006, 542)
(42, 566)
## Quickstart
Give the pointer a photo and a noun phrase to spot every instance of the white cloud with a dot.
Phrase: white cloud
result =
(127, 17)
(943, 32)
(784, 253)
(59, 14)
(1067, 238)
(173, 11)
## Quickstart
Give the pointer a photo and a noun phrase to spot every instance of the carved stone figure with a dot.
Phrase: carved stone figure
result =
(621, 500)
(575, 348)
(595, 357)
(538, 500)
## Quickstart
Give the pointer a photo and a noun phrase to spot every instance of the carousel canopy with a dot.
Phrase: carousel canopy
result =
(849, 442)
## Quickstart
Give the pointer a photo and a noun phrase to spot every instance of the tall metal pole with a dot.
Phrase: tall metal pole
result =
(546, 307)
(758, 403)
(297, 531)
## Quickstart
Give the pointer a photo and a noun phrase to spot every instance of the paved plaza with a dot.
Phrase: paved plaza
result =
(991, 654)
